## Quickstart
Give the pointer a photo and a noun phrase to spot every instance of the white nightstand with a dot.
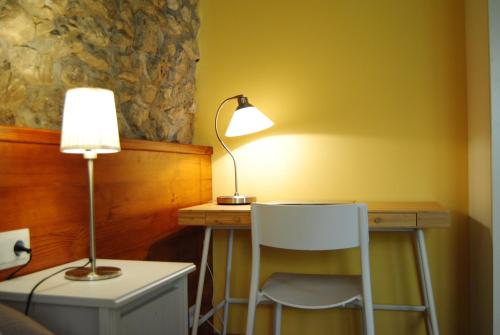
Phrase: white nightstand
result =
(148, 298)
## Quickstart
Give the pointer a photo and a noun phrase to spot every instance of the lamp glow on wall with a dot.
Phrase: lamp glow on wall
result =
(90, 127)
(246, 119)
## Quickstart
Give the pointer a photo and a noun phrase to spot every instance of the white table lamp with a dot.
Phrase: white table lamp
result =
(246, 119)
(90, 127)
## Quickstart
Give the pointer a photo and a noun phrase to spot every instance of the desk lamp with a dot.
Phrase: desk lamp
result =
(246, 119)
(89, 127)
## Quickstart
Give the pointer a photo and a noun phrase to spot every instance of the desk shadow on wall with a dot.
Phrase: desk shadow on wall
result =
(481, 278)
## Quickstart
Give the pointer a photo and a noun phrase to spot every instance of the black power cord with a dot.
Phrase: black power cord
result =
(30, 296)
(20, 248)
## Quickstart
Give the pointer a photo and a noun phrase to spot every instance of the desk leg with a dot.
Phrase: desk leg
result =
(201, 280)
(227, 289)
(432, 324)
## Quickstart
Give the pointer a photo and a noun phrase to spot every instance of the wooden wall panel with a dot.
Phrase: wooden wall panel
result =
(137, 194)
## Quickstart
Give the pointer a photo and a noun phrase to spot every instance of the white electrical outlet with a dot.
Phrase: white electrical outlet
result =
(8, 239)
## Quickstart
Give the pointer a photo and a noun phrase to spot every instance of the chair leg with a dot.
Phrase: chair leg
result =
(368, 318)
(366, 277)
(363, 319)
(253, 295)
(367, 286)
(252, 305)
(277, 318)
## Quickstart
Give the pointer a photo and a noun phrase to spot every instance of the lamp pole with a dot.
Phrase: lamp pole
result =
(224, 144)
(90, 168)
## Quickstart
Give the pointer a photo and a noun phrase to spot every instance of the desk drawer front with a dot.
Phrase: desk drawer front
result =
(395, 220)
(229, 219)
(191, 220)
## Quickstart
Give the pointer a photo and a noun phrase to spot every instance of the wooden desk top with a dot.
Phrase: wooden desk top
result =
(388, 215)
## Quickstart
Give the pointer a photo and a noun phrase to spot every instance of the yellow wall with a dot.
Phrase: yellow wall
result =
(368, 98)
(479, 124)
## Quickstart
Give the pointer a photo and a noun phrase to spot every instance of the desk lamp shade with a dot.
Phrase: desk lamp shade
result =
(90, 127)
(89, 122)
(246, 119)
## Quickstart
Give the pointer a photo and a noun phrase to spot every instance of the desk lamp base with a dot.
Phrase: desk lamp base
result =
(235, 199)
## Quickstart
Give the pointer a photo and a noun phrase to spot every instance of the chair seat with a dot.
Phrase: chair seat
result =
(312, 291)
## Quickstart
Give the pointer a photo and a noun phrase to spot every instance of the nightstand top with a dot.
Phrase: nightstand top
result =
(138, 278)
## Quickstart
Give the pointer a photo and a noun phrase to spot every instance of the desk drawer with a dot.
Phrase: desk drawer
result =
(191, 219)
(392, 220)
(237, 219)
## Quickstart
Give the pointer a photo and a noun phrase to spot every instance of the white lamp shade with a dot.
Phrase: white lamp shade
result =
(89, 122)
(247, 120)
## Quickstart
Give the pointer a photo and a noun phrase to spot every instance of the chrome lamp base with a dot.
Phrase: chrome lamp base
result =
(235, 199)
(100, 273)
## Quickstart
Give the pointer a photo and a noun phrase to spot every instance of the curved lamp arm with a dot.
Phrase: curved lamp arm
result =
(224, 144)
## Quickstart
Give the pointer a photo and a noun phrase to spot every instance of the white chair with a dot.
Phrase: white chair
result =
(310, 227)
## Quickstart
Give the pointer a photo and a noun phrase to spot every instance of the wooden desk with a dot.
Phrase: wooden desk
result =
(382, 216)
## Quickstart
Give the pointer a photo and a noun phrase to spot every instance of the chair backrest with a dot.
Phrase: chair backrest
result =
(309, 227)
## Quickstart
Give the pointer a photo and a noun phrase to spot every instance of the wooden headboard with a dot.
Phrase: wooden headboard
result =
(137, 194)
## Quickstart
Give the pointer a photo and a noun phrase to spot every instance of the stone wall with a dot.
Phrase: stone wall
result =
(143, 50)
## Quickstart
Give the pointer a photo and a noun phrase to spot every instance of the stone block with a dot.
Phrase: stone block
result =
(145, 50)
